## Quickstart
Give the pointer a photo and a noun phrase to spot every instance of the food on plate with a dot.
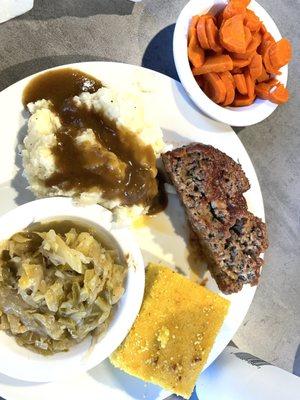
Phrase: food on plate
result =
(91, 142)
(235, 41)
(174, 332)
(57, 288)
(211, 186)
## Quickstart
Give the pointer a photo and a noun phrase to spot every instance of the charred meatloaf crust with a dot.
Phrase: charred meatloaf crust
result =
(211, 186)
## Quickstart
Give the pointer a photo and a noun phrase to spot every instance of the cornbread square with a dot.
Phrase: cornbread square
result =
(174, 332)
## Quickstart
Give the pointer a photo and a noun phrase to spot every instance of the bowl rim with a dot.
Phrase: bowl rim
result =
(21, 363)
(234, 116)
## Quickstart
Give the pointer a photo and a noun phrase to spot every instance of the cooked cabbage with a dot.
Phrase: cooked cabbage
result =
(55, 289)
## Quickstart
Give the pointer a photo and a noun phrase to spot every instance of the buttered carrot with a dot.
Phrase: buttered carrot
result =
(212, 35)
(264, 75)
(263, 89)
(232, 34)
(267, 62)
(215, 87)
(248, 36)
(280, 95)
(250, 84)
(201, 32)
(252, 21)
(242, 101)
(240, 83)
(230, 87)
(255, 66)
(280, 53)
(192, 26)
(239, 63)
(234, 7)
(195, 52)
(233, 57)
(217, 63)
(251, 48)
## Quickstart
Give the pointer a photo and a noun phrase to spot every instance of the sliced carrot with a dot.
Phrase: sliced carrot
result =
(230, 87)
(252, 21)
(255, 67)
(239, 63)
(234, 8)
(280, 53)
(263, 89)
(248, 36)
(242, 101)
(251, 49)
(201, 32)
(240, 83)
(192, 26)
(244, 56)
(250, 84)
(280, 95)
(264, 75)
(267, 62)
(232, 34)
(215, 87)
(212, 35)
(195, 51)
(216, 63)
(266, 40)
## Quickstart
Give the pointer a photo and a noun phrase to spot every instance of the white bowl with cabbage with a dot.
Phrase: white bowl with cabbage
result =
(71, 286)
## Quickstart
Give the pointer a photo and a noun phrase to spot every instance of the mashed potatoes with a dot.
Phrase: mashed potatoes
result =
(124, 108)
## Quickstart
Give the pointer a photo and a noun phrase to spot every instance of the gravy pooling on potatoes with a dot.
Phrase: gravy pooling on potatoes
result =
(119, 164)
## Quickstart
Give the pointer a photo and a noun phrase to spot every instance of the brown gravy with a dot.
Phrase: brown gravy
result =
(120, 165)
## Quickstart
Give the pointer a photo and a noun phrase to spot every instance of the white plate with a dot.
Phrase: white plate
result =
(235, 116)
(165, 239)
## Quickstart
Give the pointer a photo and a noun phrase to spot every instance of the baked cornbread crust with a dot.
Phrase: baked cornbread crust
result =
(173, 333)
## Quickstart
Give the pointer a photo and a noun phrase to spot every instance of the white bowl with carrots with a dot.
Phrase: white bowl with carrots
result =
(231, 60)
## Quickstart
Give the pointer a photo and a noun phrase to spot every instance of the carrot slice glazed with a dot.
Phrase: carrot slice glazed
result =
(201, 32)
(280, 53)
(264, 76)
(255, 67)
(215, 87)
(212, 35)
(233, 57)
(234, 7)
(195, 51)
(239, 63)
(263, 89)
(217, 63)
(192, 27)
(252, 21)
(242, 101)
(250, 84)
(251, 48)
(267, 62)
(240, 83)
(280, 95)
(248, 36)
(230, 87)
(232, 34)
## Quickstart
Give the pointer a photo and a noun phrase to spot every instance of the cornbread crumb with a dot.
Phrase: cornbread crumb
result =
(172, 337)
(163, 336)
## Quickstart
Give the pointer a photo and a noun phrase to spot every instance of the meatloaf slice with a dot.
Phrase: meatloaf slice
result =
(211, 186)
